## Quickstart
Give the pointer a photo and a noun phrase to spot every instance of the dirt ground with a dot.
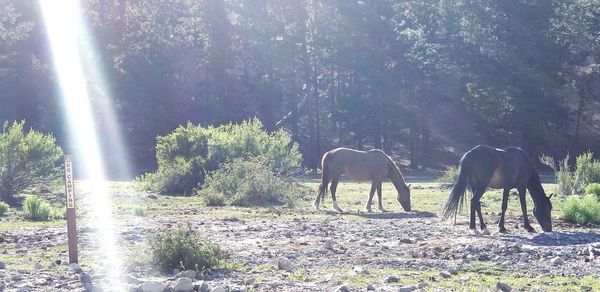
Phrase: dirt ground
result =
(280, 249)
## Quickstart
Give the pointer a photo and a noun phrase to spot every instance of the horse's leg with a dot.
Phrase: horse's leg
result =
(477, 202)
(379, 200)
(334, 183)
(370, 199)
(504, 206)
(321, 191)
(526, 224)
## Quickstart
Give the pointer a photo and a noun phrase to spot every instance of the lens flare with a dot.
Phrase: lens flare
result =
(71, 51)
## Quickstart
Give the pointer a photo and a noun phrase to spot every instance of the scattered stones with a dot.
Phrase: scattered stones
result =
(284, 264)
(445, 274)
(38, 265)
(391, 279)
(464, 279)
(370, 287)
(503, 287)
(2, 265)
(152, 286)
(184, 285)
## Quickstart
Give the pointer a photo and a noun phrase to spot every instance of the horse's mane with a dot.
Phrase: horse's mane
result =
(395, 170)
(536, 190)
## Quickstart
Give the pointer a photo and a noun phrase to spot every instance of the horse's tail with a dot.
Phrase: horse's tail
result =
(457, 195)
(325, 176)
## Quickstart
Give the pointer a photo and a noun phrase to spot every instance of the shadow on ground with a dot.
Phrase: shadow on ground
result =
(388, 215)
(557, 238)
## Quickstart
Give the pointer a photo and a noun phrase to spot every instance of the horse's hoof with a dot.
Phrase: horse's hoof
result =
(485, 232)
(337, 210)
(502, 230)
(474, 231)
(382, 210)
(530, 229)
(368, 210)
(316, 206)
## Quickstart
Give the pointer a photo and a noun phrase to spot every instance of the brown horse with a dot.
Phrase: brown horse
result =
(373, 165)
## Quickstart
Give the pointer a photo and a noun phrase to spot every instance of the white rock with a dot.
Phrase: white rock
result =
(184, 285)
(503, 287)
(464, 279)
(153, 286)
(361, 270)
(284, 264)
(186, 274)
(38, 265)
(342, 288)
(328, 244)
(557, 261)
(407, 288)
(445, 274)
(75, 267)
(201, 286)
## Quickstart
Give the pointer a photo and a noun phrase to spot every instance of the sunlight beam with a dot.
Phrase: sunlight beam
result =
(66, 36)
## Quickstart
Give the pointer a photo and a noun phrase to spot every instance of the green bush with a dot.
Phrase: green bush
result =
(38, 209)
(3, 208)
(251, 183)
(581, 210)
(593, 189)
(449, 175)
(27, 160)
(213, 199)
(187, 154)
(184, 249)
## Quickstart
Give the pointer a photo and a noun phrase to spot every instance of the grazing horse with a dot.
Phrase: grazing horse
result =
(483, 167)
(373, 165)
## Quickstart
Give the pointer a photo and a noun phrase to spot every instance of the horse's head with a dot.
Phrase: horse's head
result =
(542, 211)
(404, 198)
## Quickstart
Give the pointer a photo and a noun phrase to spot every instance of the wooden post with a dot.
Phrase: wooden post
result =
(71, 225)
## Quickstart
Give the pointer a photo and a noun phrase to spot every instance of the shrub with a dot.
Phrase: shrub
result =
(587, 170)
(581, 210)
(593, 189)
(139, 211)
(449, 175)
(213, 199)
(38, 209)
(250, 183)
(27, 160)
(3, 208)
(565, 180)
(187, 154)
(183, 249)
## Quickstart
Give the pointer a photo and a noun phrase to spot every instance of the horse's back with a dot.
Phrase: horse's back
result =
(500, 168)
(357, 164)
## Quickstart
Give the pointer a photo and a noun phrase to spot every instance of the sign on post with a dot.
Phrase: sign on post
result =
(71, 225)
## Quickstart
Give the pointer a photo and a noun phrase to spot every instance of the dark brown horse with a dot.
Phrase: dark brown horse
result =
(508, 168)
(373, 165)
